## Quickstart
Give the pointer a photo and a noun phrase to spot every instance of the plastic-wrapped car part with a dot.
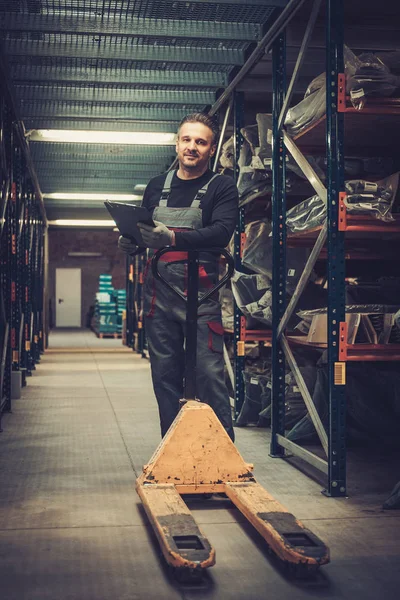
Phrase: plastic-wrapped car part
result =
(306, 215)
(256, 408)
(227, 158)
(253, 295)
(264, 124)
(366, 197)
(308, 110)
(257, 254)
(368, 76)
(250, 135)
(264, 154)
(257, 399)
(316, 84)
(252, 184)
(363, 197)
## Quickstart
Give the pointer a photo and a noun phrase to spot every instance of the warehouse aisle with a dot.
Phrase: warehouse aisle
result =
(71, 525)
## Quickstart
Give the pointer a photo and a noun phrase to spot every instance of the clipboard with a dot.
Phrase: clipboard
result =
(127, 216)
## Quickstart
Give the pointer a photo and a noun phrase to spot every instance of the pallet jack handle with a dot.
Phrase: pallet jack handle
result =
(192, 304)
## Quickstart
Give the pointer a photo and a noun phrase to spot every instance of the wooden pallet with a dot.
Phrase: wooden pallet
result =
(108, 335)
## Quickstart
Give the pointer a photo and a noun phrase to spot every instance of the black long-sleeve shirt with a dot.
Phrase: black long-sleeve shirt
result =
(219, 206)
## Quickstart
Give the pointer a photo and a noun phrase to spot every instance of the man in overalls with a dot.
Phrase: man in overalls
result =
(192, 208)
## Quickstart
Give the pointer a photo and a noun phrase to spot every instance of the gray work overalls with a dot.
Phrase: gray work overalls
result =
(165, 322)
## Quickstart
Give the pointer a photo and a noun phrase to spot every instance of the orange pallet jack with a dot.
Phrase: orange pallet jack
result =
(197, 456)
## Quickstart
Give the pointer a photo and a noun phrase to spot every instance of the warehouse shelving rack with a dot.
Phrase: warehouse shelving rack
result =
(330, 129)
(22, 255)
(333, 441)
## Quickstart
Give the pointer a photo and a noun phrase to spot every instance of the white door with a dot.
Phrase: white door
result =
(68, 297)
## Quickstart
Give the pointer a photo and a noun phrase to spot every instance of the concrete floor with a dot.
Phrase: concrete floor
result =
(72, 527)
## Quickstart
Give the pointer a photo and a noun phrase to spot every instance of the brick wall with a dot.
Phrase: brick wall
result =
(112, 262)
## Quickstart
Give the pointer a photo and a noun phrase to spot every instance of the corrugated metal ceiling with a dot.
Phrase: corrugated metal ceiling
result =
(122, 65)
(141, 65)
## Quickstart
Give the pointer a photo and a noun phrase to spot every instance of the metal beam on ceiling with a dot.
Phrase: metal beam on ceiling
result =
(97, 25)
(185, 51)
(43, 74)
(117, 162)
(108, 93)
(46, 151)
(99, 171)
(104, 173)
(100, 124)
(114, 170)
(111, 110)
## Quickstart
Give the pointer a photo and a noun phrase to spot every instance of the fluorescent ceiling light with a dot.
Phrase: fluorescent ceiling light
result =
(98, 197)
(147, 138)
(82, 223)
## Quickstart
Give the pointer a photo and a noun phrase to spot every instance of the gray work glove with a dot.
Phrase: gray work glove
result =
(126, 245)
(156, 237)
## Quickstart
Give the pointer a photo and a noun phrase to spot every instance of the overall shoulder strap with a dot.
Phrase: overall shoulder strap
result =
(166, 189)
(202, 192)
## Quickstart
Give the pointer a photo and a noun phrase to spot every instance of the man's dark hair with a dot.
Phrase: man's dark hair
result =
(210, 122)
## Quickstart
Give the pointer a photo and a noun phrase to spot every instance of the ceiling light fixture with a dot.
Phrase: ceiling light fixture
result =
(76, 136)
(94, 197)
(81, 223)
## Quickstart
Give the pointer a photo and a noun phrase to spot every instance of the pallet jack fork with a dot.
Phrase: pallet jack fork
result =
(197, 456)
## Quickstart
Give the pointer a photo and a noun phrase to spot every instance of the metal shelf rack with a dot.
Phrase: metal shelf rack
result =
(332, 441)
(329, 243)
(22, 256)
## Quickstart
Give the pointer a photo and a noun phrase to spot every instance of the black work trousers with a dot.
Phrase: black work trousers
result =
(165, 323)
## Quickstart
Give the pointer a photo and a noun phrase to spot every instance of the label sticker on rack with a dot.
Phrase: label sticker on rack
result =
(254, 381)
(357, 93)
(296, 389)
(269, 385)
(240, 348)
(291, 272)
(340, 373)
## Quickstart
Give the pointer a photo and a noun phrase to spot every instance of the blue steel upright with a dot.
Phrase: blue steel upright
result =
(141, 268)
(278, 245)
(130, 300)
(239, 363)
(336, 255)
